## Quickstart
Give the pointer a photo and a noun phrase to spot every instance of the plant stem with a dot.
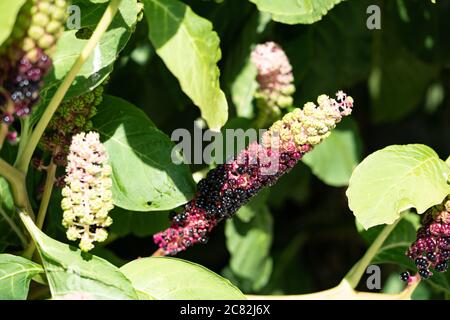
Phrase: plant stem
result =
(16, 180)
(158, 253)
(48, 188)
(354, 275)
(343, 291)
(25, 131)
(102, 26)
(3, 134)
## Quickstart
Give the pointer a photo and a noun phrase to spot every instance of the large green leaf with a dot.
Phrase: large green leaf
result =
(144, 175)
(8, 12)
(394, 179)
(10, 230)
(72, 274)
(296, 11)
(15, 276)
(249, 238)
(190, 49)
(100, 64)
(173, 279)
(333, 160)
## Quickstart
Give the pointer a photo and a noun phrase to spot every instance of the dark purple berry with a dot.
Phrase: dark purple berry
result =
(441, 267)
(431, 256)
(424, 273)
(421, 263)
(404, 276)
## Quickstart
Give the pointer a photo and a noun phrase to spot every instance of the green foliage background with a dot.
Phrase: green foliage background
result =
(300, 236)
(399, 77)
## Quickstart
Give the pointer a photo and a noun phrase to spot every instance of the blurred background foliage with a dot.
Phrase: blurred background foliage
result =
(300, 236)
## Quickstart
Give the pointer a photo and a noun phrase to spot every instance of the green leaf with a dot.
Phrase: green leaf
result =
(249, 238)
(394, 247)
(173, 279)
(10, 230)
(100, 64)
(239, 71)
(394, 179)
(243, 90)
(8, 14)
(448, 161)
(319, 67)
(296, 11)
(190, 49)
(72, 273)
(393, 66)
(333, 160)
(15, 276)
(139, 224)
(144, 175)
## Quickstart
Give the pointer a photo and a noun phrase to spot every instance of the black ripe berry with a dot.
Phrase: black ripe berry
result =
(421, 263)
(441, 267)
(424, 273)
(404, 276)
(431, 256)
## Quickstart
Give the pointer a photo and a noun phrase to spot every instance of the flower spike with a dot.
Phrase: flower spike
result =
(87, 197)
(231, 185)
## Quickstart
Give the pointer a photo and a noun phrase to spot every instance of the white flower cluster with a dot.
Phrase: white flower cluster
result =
(87, 196)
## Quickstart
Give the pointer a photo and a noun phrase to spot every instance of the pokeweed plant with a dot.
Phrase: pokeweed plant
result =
(85, 161)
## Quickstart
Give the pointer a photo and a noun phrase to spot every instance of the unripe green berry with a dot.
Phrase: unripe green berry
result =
(40, 19)
(58, 13)
(36, 32)
(44, 7)
(46, 41)
(53, 27)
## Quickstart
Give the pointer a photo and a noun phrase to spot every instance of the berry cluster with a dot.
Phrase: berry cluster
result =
(431, 250)
(71, 117)
(24, 57)
(87, 197)
(231, 185)
(25, 82)
(275, 81)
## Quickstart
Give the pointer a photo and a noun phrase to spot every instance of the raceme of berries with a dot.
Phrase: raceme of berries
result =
(275, 80)
(25, 56)
(71, 117)
(431, 250)
(87, 196)
(231, 185)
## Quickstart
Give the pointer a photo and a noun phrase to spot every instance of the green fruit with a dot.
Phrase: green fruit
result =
(40, 19)
(53, 27)
(46, 41)
(58, 14)
(36, 32)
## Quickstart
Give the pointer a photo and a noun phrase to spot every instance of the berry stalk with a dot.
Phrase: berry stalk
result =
(231, 185)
